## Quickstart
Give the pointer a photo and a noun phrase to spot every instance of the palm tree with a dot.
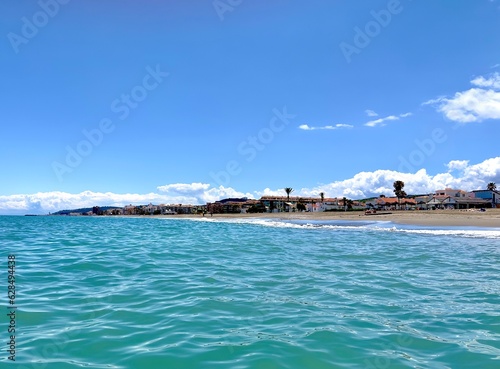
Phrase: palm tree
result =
(300, 204)
(271, 206)
(403, 196)
(349, 204)
(491, 186)
(344, 201)
(288, 191)
(398, 191)
(322, 195)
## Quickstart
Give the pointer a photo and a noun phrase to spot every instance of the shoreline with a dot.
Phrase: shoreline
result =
(432, 218)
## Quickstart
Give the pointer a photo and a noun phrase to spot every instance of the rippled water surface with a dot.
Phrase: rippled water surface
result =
(204, 293)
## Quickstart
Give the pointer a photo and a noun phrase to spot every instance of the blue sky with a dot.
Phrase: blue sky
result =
(190, 101)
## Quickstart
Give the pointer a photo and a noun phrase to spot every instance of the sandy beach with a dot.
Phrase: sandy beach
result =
(444, 218)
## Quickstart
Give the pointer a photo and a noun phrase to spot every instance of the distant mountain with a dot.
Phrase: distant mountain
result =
(83, 210)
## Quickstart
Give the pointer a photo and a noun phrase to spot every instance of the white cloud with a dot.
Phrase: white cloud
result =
(179, 193)
(199, 193)
(457, 165)
(44, 202)
(492, 82)
(183, 188)
(473, 105)
(371, 123)
(381, 121)
(221, 192)
(269, 192)
(368, 184)
(460, 174)
(305, 127)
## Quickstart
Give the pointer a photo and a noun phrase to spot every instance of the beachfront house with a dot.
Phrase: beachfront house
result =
(392, 203)
(450, 192)
(456, 202)
(435, 202)
(114, 211)
(422, 201)
(275, 204)
(129, 210)
(448, 202)
(245, 207)
(449, 198)
(179, 209)
(335, 203)
(312, 204)
(232, 205)
(492, 196)
(151, 209)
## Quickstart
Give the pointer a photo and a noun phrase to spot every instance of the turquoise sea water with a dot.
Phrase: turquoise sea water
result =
(208, 293)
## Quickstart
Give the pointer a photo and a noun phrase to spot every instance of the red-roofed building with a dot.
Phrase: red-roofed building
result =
(393, 203)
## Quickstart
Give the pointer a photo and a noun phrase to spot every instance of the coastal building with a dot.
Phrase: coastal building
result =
(450, 192)
(329, 204)
(275, 204)
(464, 200)
(311, 204)
(179, 209)
(278, 203)
(166, 210)
(441, 199)
(114, 211)
(392, 203)
(435, 202)
(422, 200)
(129, 210)
(448, 198)
(151, 209)
(231, 205)
(492, 196)
(249, 204)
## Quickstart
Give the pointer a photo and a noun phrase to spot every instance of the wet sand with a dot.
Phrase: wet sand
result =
(444, 218)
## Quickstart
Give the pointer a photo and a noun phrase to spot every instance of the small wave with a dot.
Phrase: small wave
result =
(475, 233)
(381, 226)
